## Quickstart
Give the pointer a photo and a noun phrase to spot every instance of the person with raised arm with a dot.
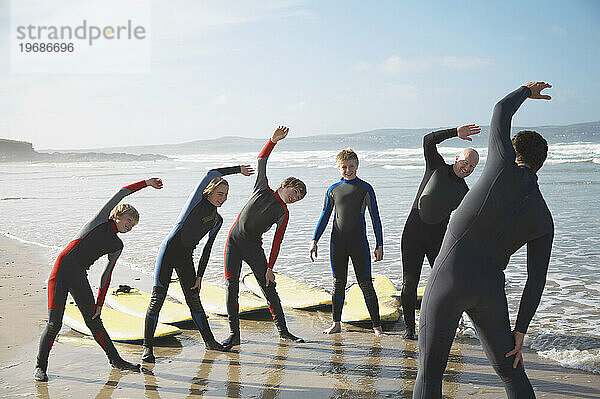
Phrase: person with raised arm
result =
(198, 218)
(69, 275)
(502, 212)
(442, 188)
(265, 208)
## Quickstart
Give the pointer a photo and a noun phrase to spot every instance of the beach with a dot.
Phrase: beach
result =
(353, 364)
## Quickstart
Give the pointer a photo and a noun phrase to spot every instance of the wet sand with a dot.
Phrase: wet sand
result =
(353, 364)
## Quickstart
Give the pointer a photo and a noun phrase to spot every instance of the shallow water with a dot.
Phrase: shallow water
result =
(48, 203)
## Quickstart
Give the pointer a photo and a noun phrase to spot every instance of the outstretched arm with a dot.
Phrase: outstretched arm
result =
(261, 177)
(433, 159)
(104, 212)
(196, 195)
(500, 149)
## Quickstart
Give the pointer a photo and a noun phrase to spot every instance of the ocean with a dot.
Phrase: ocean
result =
(47, 204)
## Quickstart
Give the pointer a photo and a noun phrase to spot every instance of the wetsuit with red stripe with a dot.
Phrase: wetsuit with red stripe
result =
(69, 275)
(244, 243)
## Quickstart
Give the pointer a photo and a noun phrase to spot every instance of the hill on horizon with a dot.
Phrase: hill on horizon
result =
(369, 140)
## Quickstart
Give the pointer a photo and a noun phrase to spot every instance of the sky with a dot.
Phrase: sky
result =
(240, 68)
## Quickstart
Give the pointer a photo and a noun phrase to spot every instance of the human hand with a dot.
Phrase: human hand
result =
(465, 131)
(519, 337)
(97, 312)
(269, 276)
(155, 182)
(246, 170)
(279, 133)
(378, 254)
(197, 285)
(536, 88)
(313, 250)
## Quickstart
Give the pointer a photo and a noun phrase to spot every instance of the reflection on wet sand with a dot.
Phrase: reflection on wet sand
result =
(352, 364)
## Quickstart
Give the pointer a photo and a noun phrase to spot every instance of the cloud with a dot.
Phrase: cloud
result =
(397, 65)
(558, 31)
(221, 99)
(296, 106)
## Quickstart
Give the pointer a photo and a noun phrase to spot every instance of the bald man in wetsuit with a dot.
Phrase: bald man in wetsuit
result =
(441, 190)
(503, 211)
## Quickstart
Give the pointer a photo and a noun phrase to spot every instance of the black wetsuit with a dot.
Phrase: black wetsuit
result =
(197, 218)
(439, 194)
(244, 243)
(69, 274)
(501, 213)
(349, 240)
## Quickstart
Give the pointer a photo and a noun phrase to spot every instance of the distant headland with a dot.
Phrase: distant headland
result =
(22, 151)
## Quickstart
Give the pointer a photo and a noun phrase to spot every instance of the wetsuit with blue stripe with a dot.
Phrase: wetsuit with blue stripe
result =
(349, 198)
(69, 275)
(503, 211)
(244, 243)
(197, 218)
(440, 192)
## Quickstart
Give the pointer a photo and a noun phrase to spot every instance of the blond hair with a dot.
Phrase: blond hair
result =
(212, 186)
(346, 155)
(125, 209)
(294, 183)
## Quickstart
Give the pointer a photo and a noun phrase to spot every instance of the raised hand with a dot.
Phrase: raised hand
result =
(536, 88)
(155, 182)
(279, 133)
(465, 131)
(246, 170)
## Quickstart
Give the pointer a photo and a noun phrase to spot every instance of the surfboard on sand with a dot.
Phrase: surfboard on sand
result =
(355, 310)
(420, 293)
(135, 302)
(292, 292)
(213, 299)
(120, 326)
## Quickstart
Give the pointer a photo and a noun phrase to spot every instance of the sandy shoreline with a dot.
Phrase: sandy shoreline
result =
(351, 364)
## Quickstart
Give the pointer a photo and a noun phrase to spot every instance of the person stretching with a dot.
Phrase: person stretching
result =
(440, 192)
(244, 243)
(198, 217)
(350, 196)
(504, 211)
(69, 275)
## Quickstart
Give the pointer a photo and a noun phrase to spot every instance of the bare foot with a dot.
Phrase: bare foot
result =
(378, 331)
(335, 328)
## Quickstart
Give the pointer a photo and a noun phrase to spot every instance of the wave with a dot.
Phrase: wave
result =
(404, 167)
(575, 352)
(24, 241)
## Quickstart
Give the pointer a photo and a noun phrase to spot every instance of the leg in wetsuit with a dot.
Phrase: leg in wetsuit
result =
(419, 239)
(251, 252)
(171, 257)
(69, 277)
(345, 246)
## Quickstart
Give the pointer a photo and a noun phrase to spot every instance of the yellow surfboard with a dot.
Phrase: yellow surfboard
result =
(213, 299)
(420, 293)
(355, 310)
(293, 293)
(135, 302)
(120, 326)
